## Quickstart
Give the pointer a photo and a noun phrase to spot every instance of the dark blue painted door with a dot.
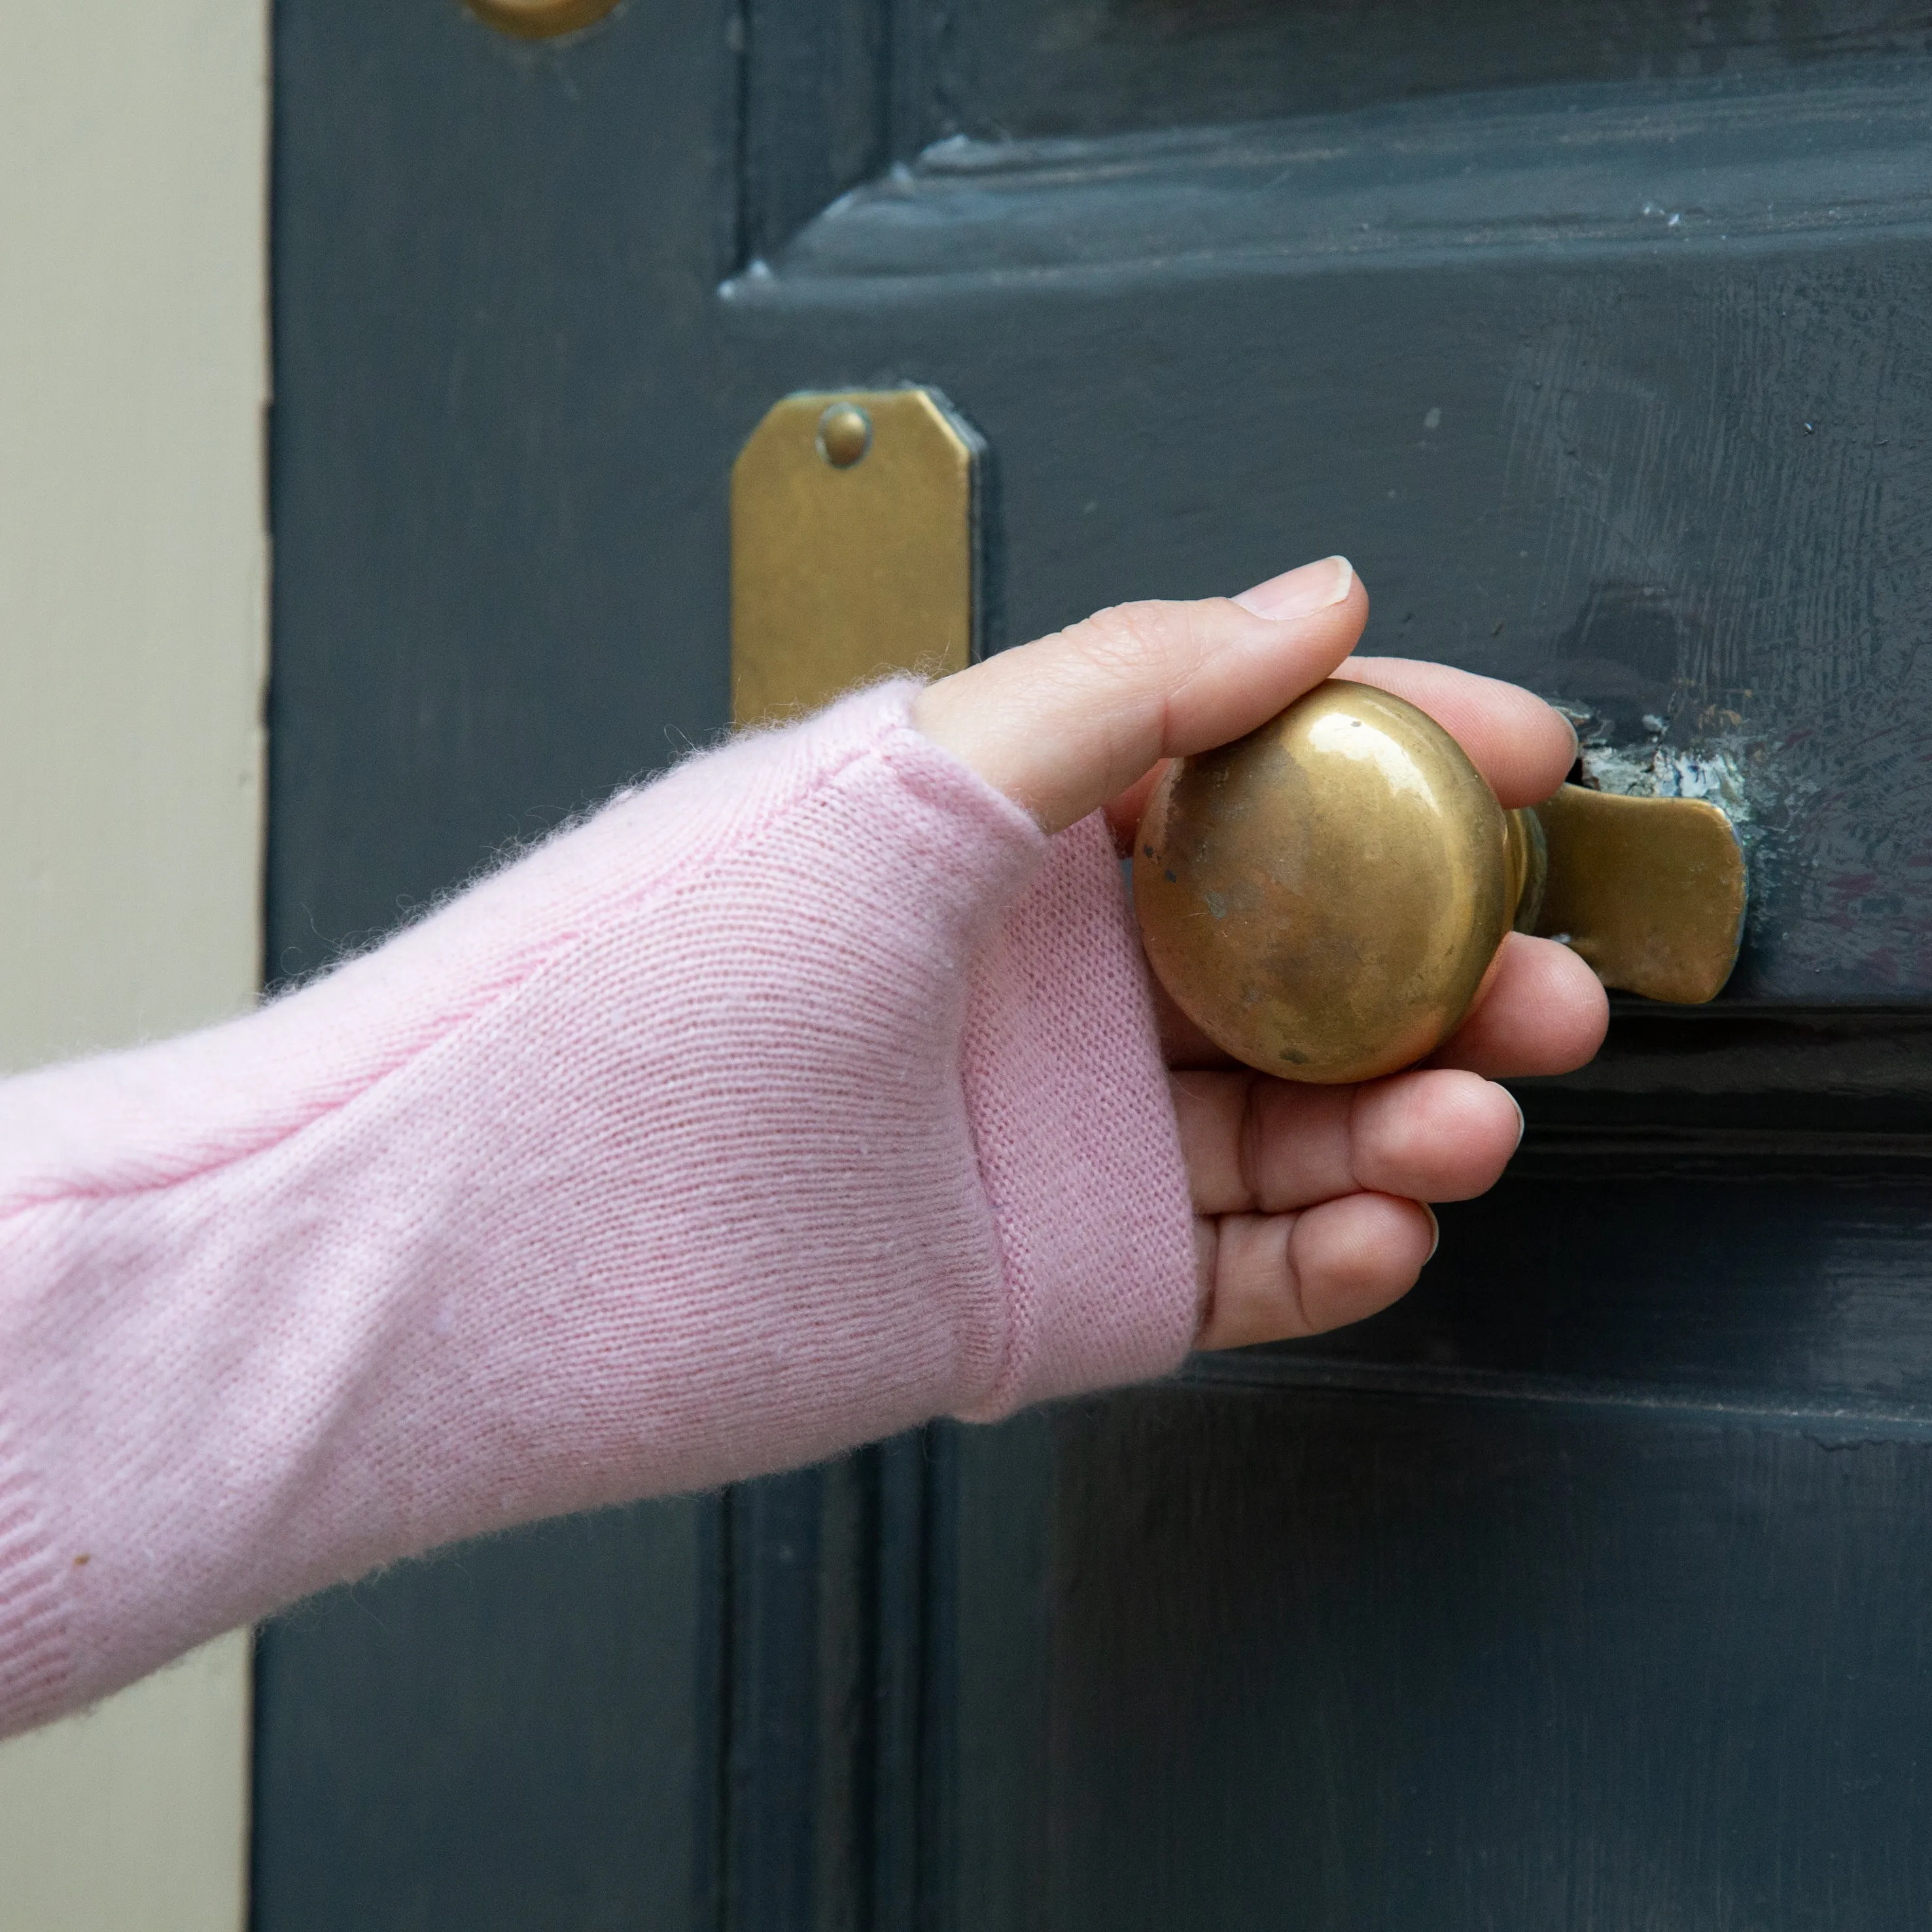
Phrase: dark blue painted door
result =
(1590, 1587)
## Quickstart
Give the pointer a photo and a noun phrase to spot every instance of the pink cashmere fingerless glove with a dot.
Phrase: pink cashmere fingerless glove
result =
(805, 1094)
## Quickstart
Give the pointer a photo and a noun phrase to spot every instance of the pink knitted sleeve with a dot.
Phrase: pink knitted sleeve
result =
(805, 1094)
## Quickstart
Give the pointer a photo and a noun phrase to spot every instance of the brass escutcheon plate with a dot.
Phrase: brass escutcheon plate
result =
(854, 547)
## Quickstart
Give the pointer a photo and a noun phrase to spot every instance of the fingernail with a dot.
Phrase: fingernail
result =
(1315, 586)
(1521, 1123)
(1437, 1226)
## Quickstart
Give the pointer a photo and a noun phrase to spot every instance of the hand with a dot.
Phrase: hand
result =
(1310, 1200)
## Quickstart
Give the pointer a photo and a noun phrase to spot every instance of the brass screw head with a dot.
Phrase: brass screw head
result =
(845, 435)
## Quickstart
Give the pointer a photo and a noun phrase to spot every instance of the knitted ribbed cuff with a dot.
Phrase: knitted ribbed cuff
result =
(1075, 1128)
(34, 1661)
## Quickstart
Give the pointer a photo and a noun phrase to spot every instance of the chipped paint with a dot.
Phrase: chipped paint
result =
(1731, 767)
(1663, 771)
(1724, 770)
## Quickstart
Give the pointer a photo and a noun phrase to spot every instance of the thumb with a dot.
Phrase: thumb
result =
(1062, 725)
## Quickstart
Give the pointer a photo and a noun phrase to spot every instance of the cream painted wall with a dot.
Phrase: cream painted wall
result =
(133, 372)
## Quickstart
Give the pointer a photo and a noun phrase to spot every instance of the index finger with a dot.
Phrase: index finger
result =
(1524, 747)
(1065, 723)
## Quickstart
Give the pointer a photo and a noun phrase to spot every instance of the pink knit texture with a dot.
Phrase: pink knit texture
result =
(804, 1095)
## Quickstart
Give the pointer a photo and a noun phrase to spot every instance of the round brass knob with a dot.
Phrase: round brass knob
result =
(1323, 897)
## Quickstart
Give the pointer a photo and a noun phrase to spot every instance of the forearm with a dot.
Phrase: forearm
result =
(802, 1096)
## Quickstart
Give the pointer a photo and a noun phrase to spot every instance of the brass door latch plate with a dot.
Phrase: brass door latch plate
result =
(1649, 892)
(854, 548)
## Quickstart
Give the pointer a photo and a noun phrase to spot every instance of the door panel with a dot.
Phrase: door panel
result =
(1806, 1299)
(1579, 1589)
(525, 1732)
(1621, 394)
(1404, 1662)
(1584, 1588)
(1010, 68)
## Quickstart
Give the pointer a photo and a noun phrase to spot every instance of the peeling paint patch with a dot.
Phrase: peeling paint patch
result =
(1725, 769)
(1740, 772)
(1662, 771)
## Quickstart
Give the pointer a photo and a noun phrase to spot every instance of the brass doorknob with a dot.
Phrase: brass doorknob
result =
(1323, 897)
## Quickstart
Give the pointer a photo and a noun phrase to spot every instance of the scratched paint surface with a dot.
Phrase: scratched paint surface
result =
(1735, 547)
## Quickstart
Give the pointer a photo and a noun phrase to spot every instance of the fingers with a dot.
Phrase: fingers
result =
(1541, 1010)
(1124, 809)
(1271, 1278)
(1523, 747)
(1434, 1135)
(1062, 725)
(1075, 720)
(1310, 1197)
(1252, 1145)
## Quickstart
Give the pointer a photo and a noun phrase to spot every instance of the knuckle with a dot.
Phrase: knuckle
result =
(1119, 639)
